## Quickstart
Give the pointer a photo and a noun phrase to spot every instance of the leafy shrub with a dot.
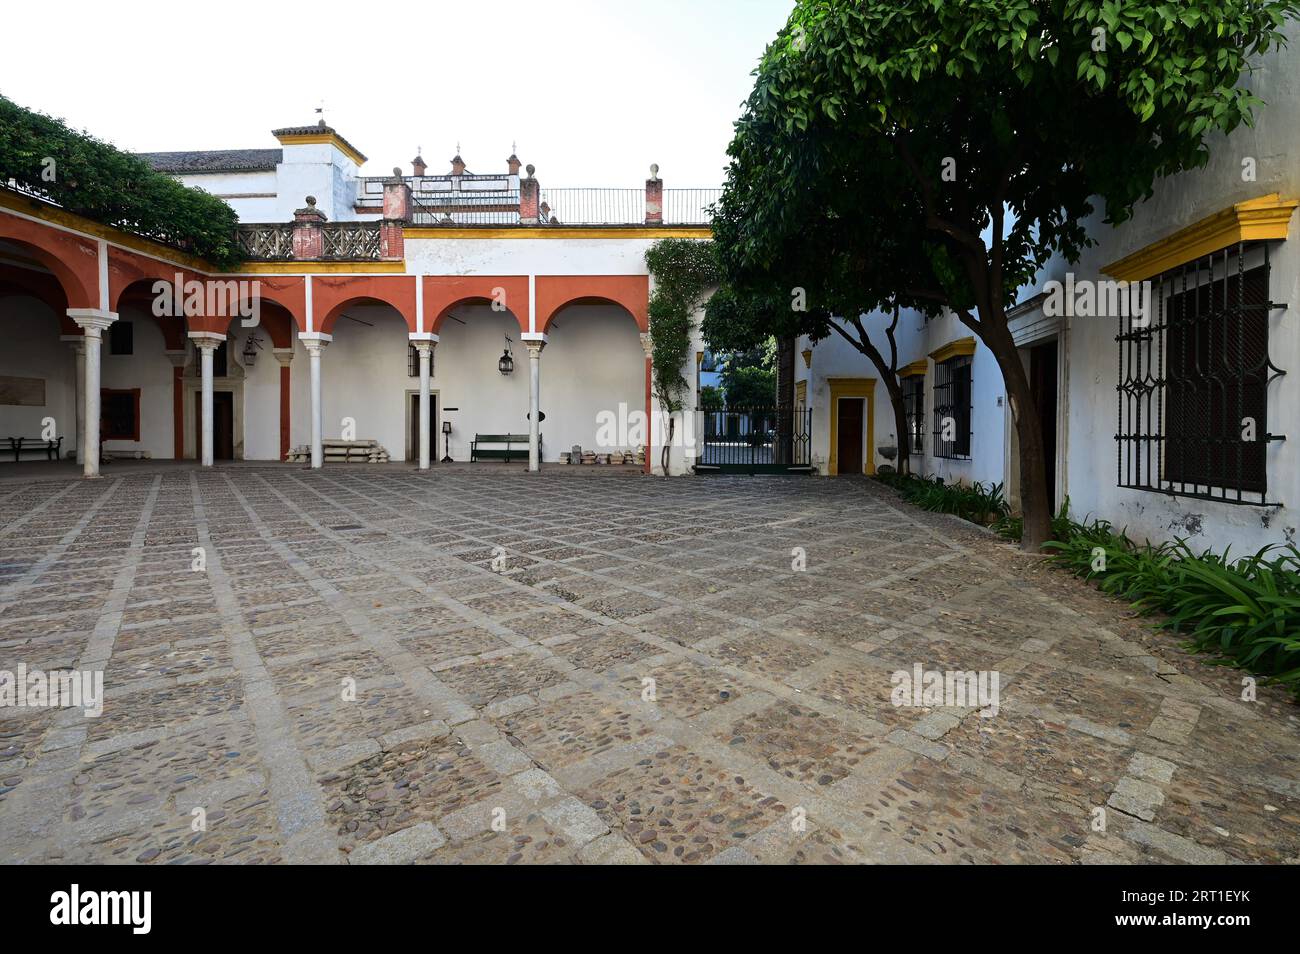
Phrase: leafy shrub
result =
(100, 182)
(1246, 612)
(977, 502)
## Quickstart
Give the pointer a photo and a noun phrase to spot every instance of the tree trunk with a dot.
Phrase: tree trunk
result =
(1036, 511)
(900, 424)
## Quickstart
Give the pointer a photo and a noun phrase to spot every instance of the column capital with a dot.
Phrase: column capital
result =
(283, 355)
(206, 340)
(314, 341)
(423, 345)
(76, 342)
(647, 343)
(92, 320)
(177, 358)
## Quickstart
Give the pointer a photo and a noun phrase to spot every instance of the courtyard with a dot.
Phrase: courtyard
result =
(371, 664)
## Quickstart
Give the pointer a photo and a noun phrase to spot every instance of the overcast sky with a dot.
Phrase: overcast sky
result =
(592, 90)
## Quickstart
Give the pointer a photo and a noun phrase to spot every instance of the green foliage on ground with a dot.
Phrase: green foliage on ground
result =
(1245, 612)
(94, 179)
(979, 503)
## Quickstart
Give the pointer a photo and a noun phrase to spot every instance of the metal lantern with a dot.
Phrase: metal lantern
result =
(507, 362)
(249, 353)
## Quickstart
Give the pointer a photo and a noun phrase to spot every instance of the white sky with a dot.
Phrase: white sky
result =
(592, 90)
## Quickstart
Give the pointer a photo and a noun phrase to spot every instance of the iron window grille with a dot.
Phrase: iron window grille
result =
(952, 402)
(413, 362)
(1193, 381)
(914, 410)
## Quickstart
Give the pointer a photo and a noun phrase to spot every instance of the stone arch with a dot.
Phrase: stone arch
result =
(73, 260)
(332, 294)
(443, 293)
(556, 292)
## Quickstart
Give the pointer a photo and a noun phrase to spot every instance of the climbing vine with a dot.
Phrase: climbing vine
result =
(89, 177)
(683, 270)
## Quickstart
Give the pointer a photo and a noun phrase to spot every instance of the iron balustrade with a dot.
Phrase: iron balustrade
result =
(1193, 380)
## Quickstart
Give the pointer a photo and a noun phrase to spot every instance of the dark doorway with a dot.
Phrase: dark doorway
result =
(848, 449)
(223, 425)
(413, 430)
(1042, 381)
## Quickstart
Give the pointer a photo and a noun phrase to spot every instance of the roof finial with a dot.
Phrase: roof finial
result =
(320, 111)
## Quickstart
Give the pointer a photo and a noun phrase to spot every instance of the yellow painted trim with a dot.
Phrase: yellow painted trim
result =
(334, 139)
(853, 388)
(1264, 218)
(953, 349)
(919, 367)
(46, 213)
(561, 232)
(321, 268)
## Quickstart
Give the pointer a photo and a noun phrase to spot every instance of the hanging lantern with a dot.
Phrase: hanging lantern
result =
(507, 362)
(249, 353)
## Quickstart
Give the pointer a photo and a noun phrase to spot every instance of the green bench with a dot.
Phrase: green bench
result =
(516, 447)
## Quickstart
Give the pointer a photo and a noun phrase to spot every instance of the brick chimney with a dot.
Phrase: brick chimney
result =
(654, 198)
(530, 191)
(417, 166)
(513, 164)
(457, 165)
(308, 240)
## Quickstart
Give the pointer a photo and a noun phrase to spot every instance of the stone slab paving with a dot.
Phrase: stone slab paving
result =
(479, 666)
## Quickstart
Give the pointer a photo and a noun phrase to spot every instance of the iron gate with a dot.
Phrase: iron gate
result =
(757, 440)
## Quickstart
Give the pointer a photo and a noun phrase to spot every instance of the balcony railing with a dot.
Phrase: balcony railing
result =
(351, 241)
(340, 242)
(265, 243)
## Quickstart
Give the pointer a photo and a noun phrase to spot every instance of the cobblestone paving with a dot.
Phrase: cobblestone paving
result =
(486, 667)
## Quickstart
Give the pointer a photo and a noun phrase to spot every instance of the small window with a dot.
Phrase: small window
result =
(121, 337)
(952, 408)
(119, 418)
(914, 408)
(412, 361)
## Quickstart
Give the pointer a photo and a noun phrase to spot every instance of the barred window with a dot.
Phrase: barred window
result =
(914, 408)
(1193, 381)
(412, 361)
(952, 408)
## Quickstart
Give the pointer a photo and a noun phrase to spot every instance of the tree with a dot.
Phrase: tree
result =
(964, 144)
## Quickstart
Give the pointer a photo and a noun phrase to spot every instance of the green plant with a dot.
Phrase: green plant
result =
(683, 269)
(976, 502)
(1245, 612)
(933, 154)
(91, 178)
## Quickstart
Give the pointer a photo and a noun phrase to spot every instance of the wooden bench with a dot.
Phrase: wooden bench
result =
(49, 448)
(516, 447)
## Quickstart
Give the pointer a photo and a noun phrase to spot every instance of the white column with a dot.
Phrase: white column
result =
(424, 343)
(535, 344)
(315, 342)
(92, 322)
(207, 343)
(78, 345)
